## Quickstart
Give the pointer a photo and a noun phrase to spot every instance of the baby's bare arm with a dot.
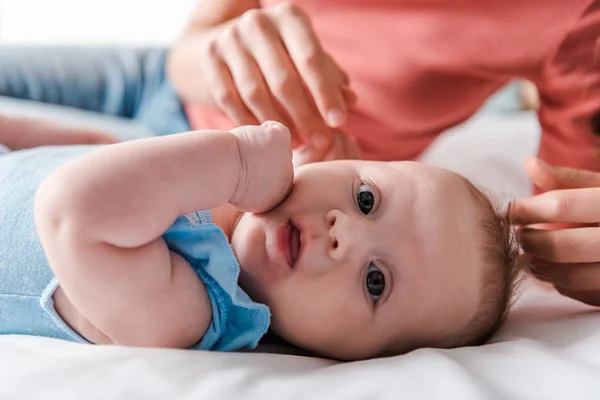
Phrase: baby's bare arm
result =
(100, 219)
(18, 133)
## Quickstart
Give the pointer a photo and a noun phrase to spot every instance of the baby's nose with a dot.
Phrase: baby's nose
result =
(339, 234)
(332, 219)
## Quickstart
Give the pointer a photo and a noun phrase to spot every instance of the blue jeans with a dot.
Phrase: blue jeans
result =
(129, 83)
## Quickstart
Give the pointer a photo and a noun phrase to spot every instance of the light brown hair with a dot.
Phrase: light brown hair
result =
(501, 279)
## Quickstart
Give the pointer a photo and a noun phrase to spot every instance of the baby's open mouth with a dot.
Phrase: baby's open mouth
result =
(295, 243)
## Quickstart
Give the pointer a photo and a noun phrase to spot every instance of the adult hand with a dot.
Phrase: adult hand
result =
(268, 64)
(266, 174)
(566, 253)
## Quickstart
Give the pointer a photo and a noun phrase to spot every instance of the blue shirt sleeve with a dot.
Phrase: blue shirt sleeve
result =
(237, 321)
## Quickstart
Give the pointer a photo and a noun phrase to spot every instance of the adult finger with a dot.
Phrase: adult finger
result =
(572, 276)
(349, 95)
(345, 79)
(247, 77)
(223, 89)
(263, 42)
(578, 245)
(569, 205)
(297, 138)
(343, 148)
(321, 77)
(548, 177)
(591, 297)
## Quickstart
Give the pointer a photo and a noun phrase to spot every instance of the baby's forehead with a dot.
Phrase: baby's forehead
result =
(418, 167)
(445, 178)
(451, 264)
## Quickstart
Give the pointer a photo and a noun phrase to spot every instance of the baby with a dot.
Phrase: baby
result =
(346, 259)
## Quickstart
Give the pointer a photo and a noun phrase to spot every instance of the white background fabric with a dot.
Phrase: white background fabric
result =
(92, 21)
(549, 349)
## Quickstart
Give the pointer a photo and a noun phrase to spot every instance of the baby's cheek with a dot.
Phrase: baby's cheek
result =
(302, 323)
(313, 307)
(251, 255)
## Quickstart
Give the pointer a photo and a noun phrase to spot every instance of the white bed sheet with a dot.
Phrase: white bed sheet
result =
(549, 348)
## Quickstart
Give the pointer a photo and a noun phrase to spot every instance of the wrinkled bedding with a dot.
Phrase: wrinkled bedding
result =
(549, 348)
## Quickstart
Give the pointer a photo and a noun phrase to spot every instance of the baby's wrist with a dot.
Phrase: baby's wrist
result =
(241, 168)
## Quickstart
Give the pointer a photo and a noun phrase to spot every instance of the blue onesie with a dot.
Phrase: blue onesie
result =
(27, 282)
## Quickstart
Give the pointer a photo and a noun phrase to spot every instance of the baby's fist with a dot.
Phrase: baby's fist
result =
(267, 172)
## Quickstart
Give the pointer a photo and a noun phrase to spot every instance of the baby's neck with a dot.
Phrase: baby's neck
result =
(226, 217)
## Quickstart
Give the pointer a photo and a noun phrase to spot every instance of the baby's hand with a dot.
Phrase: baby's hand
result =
(267, 172)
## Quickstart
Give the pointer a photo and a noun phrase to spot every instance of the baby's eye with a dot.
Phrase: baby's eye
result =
(375, 282)
(365, 199)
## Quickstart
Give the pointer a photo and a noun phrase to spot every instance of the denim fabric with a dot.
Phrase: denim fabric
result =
(124, 82)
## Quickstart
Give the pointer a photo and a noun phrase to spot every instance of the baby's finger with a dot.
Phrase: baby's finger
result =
(282, 135)
(579, 245)
(569, 205)
(572, 276)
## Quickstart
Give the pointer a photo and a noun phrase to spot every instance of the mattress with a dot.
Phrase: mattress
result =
(548, 349)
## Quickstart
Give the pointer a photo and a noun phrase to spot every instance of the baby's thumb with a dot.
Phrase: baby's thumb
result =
(281, 130)
(268, 133)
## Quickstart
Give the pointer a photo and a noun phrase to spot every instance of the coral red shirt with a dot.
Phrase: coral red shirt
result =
(422, 66)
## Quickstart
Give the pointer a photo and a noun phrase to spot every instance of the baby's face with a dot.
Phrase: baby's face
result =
(365, 258)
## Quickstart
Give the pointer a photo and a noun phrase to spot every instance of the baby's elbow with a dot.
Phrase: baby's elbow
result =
(179, 336)
(48, 205)
(55, 212)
